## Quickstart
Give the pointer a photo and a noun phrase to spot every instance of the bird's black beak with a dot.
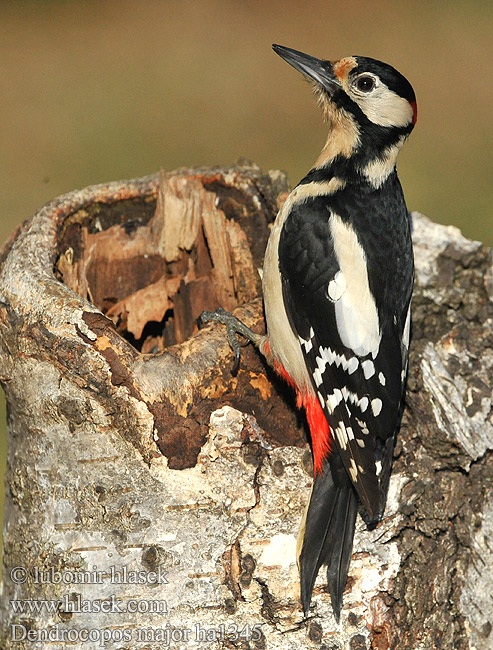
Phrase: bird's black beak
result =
(320, 71)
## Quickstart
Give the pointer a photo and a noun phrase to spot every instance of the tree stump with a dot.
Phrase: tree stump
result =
(153, 498)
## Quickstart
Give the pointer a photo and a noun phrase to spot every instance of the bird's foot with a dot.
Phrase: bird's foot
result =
(234, 326)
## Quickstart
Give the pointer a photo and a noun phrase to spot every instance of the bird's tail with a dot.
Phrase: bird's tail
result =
(326, 537)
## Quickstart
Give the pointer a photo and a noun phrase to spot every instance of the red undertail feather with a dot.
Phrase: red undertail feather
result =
(319, 427)
(320, 431)
(282, 372)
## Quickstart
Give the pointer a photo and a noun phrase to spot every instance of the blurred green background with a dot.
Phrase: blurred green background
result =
(101, 90)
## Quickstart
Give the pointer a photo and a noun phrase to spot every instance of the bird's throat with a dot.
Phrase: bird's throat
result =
(343, 139)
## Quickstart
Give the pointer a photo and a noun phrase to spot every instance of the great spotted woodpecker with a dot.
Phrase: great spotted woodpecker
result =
(337, 283)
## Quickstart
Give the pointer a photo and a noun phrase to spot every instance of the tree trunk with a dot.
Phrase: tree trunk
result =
(153, 498)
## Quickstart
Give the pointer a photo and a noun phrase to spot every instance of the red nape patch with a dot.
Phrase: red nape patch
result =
(414, 106)
(319, 430)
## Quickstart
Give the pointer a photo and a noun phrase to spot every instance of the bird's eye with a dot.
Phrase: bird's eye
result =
(365, 83)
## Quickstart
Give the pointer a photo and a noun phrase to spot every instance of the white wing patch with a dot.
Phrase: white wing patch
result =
(356, 313)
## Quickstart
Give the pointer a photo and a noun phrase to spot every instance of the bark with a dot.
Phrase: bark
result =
(132, 445)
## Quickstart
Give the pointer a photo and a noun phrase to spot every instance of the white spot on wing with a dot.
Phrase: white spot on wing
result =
(340, 432)
(368, 368)
(317, 377)
(337, 287)
(334, 400)
(352, 364)
(328, 356)
(363, 403)
(307, 343)
(381, 378)
(321, 361)
(376, 406)
(378, 467)
(353, 471)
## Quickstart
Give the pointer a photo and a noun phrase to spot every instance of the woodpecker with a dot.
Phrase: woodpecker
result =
(337, 283)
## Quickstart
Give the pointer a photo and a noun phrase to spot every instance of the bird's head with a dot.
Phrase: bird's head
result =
(370, 106)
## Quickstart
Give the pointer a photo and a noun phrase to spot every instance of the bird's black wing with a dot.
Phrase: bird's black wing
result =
(357, 364)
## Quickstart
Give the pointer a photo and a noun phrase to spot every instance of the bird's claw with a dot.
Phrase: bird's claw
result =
(234, 326)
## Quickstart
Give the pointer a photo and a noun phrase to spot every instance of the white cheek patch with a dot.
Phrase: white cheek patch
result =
(384, 107)
(356, 313)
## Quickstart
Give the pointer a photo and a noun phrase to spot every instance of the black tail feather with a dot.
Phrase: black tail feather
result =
(328, 535)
